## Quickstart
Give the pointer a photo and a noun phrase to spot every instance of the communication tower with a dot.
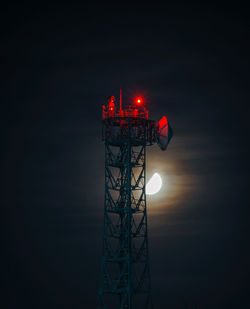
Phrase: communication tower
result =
(125, 276)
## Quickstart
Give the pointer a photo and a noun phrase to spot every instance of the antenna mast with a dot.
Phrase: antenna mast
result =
(120, 100)
(125, 277)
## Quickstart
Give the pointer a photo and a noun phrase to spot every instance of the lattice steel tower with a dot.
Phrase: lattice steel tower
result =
(125, 276)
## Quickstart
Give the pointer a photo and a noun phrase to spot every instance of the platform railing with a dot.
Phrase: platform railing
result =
(125, 113)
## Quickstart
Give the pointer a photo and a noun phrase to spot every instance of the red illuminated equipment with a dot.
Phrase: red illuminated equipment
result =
(136, 110)
(157, 132)
(164, 133)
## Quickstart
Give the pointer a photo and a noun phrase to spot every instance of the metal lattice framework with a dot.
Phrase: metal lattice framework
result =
(125, 276)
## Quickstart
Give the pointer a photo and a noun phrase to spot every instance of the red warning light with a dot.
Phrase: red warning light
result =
(138, 101)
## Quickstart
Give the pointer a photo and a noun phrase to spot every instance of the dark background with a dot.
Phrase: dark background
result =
(58, 65)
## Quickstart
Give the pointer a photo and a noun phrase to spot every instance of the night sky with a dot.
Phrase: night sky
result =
(59, 63)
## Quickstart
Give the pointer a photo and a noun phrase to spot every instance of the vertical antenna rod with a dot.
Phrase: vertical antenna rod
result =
(120, 100)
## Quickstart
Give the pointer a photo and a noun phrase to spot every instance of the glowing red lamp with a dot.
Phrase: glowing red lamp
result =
(138, 101)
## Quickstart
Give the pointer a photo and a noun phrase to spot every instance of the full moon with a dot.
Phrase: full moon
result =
(154, 184)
